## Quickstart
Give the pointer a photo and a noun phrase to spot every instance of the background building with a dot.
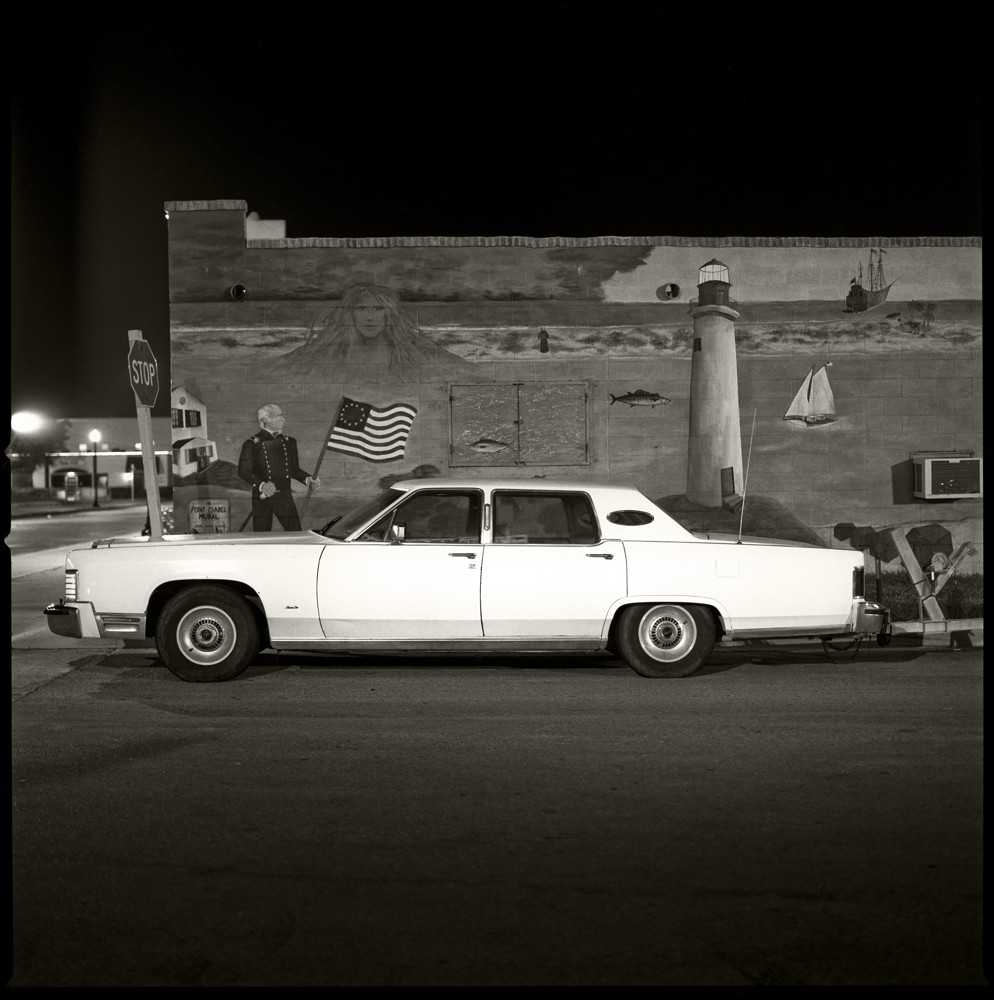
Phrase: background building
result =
(68, 474)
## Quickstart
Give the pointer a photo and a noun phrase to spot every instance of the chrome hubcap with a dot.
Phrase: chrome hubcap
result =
(667, 633)
(206, 635)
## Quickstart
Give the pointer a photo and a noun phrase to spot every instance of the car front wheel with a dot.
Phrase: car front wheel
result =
(207, 633)
(666, 640)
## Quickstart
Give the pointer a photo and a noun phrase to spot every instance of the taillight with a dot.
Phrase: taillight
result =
(859, 581)
(72, 589)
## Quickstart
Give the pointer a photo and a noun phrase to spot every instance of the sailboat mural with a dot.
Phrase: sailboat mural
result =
(814, 403)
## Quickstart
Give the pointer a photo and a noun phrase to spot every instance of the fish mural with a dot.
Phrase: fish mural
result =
(488, 446)
(640, 397)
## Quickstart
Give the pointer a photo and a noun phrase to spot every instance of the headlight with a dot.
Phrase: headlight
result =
(72, 588)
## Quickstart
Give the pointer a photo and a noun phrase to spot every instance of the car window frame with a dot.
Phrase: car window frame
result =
(391, 513)
(598, 535)
(331, 535)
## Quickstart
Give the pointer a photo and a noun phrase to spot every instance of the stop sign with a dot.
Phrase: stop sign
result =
(144, 372)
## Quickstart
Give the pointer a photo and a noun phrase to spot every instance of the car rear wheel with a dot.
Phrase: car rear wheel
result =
(666, 640)
(207, 633)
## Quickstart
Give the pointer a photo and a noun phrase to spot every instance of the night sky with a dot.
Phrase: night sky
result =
(511, 119)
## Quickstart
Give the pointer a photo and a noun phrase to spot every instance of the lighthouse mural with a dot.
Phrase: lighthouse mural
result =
(714, 453)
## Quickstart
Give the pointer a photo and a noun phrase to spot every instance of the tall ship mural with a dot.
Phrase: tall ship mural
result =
(874, 292)
(686, 367)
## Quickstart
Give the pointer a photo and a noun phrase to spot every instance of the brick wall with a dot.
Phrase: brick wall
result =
(481, 310)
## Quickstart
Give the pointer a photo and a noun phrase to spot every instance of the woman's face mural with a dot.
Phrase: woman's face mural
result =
(369, 316)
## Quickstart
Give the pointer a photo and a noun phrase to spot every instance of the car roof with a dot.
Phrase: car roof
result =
(606, 497)
(508, 483)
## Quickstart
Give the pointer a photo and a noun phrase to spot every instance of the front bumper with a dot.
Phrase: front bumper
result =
(75, 621)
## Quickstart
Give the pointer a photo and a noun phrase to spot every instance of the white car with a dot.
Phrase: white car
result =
(512, 565)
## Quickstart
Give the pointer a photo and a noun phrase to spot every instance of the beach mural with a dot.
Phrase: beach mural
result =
(779, 386)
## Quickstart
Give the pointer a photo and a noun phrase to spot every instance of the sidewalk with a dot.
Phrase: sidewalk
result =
(56, 508)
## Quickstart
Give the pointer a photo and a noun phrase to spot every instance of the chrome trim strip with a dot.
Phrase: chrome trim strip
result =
(786, 633)
(110, 625)
(442, 645)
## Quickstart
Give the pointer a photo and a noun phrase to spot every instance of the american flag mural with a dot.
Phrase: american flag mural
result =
(375, 433)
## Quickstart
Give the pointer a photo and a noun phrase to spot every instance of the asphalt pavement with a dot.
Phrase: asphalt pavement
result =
(774, 820)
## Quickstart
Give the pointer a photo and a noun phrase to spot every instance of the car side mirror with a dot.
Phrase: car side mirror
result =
(397, 533)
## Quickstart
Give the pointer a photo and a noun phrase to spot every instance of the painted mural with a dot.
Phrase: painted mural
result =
(778, 387)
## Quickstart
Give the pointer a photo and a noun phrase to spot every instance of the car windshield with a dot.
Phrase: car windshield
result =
(344, 527)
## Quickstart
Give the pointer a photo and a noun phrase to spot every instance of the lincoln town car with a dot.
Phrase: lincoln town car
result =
(484, 566)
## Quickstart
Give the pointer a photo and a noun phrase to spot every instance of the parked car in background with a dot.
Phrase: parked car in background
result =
(481, 565)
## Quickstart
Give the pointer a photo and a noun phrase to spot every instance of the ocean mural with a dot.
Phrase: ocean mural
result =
(820, 366)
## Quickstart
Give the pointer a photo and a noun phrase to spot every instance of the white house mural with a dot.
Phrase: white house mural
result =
(788, 387)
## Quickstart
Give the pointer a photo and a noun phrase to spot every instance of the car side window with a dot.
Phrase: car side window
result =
(451, 517)
(543, 519)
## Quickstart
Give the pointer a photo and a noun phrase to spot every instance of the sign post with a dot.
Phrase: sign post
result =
(143, 372)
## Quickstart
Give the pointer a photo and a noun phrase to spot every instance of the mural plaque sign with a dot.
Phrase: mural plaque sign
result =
(209, 517)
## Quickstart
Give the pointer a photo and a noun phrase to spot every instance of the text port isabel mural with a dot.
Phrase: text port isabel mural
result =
(773, 386)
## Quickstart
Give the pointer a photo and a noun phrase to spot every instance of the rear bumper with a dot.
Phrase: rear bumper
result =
(871, 618)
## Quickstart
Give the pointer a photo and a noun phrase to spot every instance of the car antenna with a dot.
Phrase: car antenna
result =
(745, 483)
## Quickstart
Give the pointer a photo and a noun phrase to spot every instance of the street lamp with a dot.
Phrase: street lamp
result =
(26, 422)
(25, 426)
(95, 438)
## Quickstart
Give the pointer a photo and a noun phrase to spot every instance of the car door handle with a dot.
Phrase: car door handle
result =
(600, 555)
(463, 555)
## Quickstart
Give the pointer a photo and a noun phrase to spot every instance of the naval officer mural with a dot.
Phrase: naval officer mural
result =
(773, 385)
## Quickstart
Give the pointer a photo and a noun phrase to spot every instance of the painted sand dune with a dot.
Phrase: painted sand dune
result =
(486, 343)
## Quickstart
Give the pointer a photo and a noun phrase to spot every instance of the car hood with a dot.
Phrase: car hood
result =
(268, 538)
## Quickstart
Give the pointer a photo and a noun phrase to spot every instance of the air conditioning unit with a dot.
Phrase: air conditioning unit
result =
(948, 477)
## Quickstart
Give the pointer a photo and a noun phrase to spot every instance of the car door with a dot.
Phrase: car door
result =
(424, 587)
(547, 572)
